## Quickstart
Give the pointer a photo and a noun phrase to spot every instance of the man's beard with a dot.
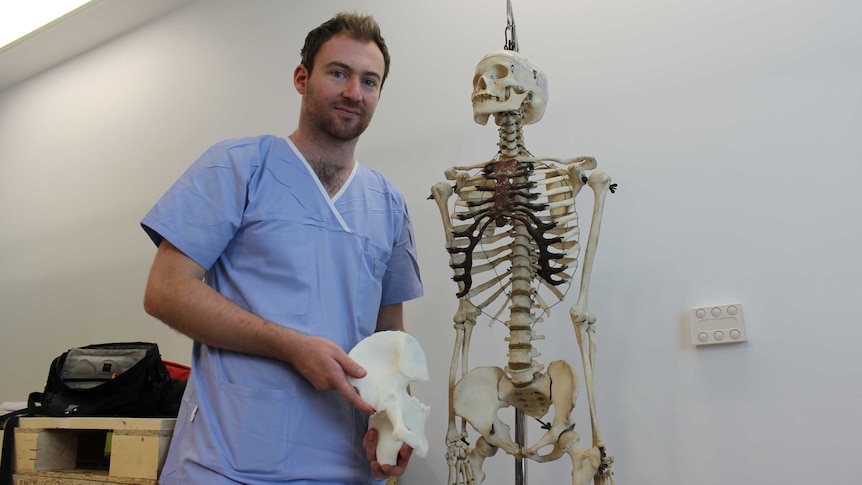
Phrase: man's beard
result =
(326, 119)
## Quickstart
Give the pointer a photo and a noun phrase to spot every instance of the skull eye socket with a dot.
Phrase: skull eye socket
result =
(494, 71)
(498, 71)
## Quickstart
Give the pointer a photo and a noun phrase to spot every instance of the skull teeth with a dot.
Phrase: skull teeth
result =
(485, 97)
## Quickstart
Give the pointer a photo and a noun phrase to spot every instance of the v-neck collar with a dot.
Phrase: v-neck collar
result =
(329, 200)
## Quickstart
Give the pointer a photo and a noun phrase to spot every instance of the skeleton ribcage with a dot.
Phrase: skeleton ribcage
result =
(515, 234)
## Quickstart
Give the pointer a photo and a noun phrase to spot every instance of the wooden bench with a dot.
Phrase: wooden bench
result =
(90, 451)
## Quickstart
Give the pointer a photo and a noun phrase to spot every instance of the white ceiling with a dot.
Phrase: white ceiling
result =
(74, 34)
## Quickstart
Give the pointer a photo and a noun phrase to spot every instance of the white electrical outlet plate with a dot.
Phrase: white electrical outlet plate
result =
(717, 324)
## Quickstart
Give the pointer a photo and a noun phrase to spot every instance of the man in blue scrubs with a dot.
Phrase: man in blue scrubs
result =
(277, 256)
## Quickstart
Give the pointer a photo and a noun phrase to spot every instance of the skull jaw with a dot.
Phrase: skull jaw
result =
(486, 106)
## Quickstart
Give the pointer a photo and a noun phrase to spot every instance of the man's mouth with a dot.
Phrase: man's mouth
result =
(348, 110)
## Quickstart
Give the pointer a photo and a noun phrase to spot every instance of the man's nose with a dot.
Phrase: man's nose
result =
(352, 89)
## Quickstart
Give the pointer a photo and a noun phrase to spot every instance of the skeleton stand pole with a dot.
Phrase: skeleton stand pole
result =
(521, 439)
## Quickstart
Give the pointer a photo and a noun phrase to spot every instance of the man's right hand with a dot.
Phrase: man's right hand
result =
(328, 367)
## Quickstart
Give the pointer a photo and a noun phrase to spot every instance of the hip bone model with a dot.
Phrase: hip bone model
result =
(511, 232)
(393, 360)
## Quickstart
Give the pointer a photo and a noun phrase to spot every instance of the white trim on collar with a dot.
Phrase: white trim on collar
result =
(346, 182)
(322, 189)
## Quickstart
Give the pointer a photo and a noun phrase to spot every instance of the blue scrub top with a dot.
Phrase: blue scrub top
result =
(254, 214)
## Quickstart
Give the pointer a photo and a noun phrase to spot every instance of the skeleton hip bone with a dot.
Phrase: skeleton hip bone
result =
(393, 360)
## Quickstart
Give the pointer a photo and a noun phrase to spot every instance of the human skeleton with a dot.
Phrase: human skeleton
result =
(514, 231)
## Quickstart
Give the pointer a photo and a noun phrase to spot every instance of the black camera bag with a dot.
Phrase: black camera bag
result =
(113, 379)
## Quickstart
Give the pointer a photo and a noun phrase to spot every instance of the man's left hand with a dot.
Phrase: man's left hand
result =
(385, 471)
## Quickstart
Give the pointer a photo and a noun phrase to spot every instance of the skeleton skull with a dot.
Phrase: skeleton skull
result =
(393, 360)
(506, 81)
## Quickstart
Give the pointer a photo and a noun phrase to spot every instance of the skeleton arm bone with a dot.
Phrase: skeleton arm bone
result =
(456, 445)
(457, 456)
(600, 183)
(441, 193)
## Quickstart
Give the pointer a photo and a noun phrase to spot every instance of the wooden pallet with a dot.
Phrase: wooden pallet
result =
(91, 451)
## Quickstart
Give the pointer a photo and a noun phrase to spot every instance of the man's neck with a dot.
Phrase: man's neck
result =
(331, 160)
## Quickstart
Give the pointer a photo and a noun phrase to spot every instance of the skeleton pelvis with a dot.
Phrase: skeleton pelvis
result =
(534, 400)
(484, 390)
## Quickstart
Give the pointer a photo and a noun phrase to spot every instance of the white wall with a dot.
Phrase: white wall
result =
(732, 128)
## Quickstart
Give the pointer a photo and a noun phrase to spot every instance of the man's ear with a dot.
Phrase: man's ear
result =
(300, 79)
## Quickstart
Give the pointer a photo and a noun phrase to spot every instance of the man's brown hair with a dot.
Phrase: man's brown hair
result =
(358, 27)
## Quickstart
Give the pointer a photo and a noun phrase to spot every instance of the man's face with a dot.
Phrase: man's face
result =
(341, 93)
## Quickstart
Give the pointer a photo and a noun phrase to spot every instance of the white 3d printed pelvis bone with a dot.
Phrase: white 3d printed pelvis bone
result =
(512, 234)
(393, 360)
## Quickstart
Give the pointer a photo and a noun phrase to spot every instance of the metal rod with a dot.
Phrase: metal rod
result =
(521, 439)
(511, 36)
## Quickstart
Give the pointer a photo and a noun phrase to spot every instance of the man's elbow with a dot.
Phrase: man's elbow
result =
(153, 302)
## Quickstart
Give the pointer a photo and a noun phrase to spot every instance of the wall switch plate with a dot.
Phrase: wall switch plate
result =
(717, 324)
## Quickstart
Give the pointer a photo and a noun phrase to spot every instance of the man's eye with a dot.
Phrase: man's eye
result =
(371, 83)
(338, 74)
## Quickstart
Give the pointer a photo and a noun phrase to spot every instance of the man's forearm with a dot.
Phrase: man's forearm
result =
(177, 295)
(196, 310)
